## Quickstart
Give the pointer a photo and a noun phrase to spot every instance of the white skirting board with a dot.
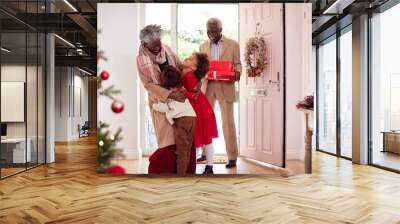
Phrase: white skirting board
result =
(132, 153)
(293, 155)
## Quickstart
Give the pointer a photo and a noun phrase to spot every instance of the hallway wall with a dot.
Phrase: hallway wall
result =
(71, 102)
(299, 79)
(120, 44)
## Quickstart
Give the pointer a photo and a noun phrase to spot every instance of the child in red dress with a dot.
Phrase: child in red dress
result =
(194, 69)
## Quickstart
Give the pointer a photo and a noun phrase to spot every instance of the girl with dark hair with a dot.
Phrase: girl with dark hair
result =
(194, 69)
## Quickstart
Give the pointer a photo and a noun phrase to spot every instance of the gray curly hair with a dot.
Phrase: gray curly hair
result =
(215, 21)
(150, 33)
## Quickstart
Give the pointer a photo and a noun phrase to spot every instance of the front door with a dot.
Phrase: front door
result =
(261, 98)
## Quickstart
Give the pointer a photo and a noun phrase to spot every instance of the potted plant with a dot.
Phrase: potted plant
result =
(307, 106)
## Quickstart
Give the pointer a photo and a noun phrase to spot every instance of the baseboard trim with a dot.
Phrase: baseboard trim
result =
(132, 154)
(293, 156)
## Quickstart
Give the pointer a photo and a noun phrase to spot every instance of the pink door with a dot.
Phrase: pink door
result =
(261, 98)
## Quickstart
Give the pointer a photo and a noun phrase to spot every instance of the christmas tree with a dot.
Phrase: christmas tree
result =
(107, 143)
(107, 147)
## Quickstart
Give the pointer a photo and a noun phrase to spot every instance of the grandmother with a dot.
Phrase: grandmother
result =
(153, 57)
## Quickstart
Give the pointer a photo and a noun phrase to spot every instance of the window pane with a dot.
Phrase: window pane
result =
(192, 32)
(156, 14)
(346, 94)
(327, 96)
(385, 85)
(160, 14)
(13, 84)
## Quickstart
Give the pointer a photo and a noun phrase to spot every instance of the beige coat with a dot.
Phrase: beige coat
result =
(224, 93)
(230, 52)
(162, 128)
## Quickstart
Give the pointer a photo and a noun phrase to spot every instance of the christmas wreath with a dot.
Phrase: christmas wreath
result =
(255, 56)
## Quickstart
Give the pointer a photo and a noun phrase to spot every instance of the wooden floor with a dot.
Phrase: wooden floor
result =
(70, 191)
(5, 172)
(244, 166)
(10, 171)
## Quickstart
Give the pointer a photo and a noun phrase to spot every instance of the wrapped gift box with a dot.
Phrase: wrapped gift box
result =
(221, 71)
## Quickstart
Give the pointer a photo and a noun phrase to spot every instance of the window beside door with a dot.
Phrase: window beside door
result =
(192, 19)
(327, 96)
(190, 23)
(158, 13)
(385, 89)
(335, 94)
(346, 94)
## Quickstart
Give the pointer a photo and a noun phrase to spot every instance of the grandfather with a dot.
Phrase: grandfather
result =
(219, 47)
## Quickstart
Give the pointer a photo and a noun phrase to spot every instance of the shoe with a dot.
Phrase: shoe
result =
(208, 170)
(202, 158)
(231, 163)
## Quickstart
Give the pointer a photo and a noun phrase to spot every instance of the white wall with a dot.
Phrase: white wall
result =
(12, 73)
(61, 104)
(67, 81)
(299, 79)
(119, 41)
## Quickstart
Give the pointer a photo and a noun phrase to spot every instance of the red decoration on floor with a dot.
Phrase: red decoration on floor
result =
(104, 75)
(163, 161)
(116, 170)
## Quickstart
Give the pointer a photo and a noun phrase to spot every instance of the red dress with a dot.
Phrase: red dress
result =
(206, 125)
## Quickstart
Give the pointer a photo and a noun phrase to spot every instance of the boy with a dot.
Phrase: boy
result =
(180, 115)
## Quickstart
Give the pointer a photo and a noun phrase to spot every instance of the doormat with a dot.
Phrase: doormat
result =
(217, 160)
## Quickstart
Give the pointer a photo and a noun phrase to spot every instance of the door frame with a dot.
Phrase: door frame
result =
(284, 84)
(174, 46)
(174, 28)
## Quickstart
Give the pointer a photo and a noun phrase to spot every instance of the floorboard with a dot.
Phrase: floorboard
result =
(70, 191)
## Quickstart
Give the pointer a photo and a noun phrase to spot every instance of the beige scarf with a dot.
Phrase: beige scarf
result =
(146, 60)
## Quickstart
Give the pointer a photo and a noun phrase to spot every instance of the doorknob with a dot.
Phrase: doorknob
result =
(277, 82)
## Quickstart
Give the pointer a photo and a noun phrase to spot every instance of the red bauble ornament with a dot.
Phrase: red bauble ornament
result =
(104, 75)
(117, 107)
(115, 170)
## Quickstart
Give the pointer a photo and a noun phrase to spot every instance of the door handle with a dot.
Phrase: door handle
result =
(277, 82)
(258, 92)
